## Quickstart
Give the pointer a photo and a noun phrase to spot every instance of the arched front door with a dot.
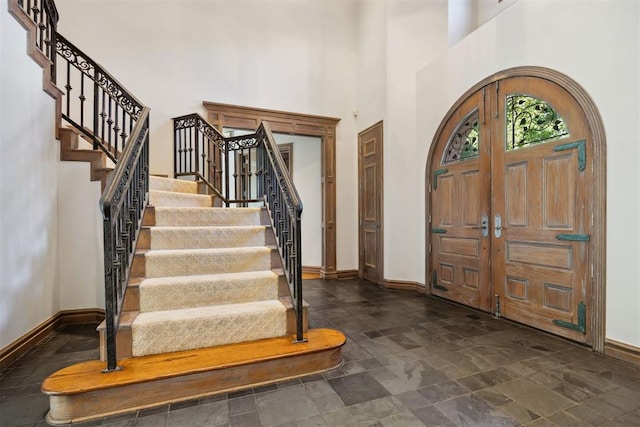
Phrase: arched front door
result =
(511, 200)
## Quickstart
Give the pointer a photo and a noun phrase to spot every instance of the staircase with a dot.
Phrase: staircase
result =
(202, 276)
(207, 310)
(74, 148)
(200, 300)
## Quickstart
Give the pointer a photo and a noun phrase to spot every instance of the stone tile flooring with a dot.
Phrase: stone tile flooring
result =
(409, 361)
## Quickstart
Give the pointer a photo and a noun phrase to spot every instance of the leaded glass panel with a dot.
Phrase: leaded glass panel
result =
(464, 142)
(532, 121)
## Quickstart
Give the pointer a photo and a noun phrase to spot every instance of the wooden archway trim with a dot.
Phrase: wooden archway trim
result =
(597, 290)
(241, 117)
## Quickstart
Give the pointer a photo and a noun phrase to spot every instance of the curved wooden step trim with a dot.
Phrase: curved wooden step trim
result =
(82, 392)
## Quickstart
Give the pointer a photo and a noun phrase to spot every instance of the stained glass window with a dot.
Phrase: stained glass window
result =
(465, 140)
(531, 121)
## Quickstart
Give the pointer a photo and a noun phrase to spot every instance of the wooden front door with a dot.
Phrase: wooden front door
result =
(511, 216)
(370, 204)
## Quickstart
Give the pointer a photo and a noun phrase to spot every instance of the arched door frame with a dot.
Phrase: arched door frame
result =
(241, 117)
(597, 287)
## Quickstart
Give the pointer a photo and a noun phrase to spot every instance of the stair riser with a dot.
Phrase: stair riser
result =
(167, 199)
(131, 299)
(76, 408)
(144, 238)
(124, 338)
(175, 185)
(149, 216)
(199, 217)
(198, 294)
(157, 334)
(138, 266)
(149, 219)
(123, 344)
(291, 320)
(206, 238)
(196, 264)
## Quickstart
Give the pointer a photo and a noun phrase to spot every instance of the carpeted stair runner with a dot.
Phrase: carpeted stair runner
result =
(207, 237)
(208, 278)
(202, 217)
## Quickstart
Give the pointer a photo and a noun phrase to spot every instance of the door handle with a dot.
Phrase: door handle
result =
(498, 225)
(484, 221)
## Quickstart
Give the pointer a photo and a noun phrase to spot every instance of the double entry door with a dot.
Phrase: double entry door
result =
(510, 212)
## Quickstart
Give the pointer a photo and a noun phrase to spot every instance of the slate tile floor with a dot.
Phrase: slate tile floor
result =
(409, 361)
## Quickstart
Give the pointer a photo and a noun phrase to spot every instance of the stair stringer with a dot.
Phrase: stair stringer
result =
(69, 151)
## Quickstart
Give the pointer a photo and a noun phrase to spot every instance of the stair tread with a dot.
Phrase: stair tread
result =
(87, 376)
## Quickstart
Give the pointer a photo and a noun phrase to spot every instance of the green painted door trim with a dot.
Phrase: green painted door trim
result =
(581, 326)
(574, 237)
(434, 283)
(436, 173)
(582, 152)
(438, 230)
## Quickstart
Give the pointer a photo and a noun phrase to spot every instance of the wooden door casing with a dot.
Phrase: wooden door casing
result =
(370, 202)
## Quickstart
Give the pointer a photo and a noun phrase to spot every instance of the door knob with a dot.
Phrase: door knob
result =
(498, 225)
(484, 221)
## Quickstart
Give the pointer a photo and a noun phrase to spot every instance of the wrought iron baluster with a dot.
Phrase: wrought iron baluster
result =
(116, 129)
(176, 139)
(190, 155)
(109, 122)
(68, 89)
(197, 152)
(103, 114)
(123, 133)
(82, 99)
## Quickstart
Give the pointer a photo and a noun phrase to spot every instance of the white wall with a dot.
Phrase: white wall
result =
(488, 9)
(307, 176)
(395, 39)
(28, 189)
(601, 52)
(462, 19)
(294, 56)
(81, 252)
(372, 65)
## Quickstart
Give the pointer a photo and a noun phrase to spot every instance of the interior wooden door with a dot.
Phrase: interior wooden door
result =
(541, 212)
(460, 200)
(511, 215)
(370, 203)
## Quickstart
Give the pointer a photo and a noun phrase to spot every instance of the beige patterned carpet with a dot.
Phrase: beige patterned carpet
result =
(208, 275)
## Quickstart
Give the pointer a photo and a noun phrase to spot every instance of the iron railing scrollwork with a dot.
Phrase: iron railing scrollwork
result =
(44, 15)
(241, 171)
(94, 102)
(122, 204)
(111, 118)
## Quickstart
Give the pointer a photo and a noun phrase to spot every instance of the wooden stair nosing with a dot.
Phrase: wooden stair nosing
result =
(87, 376)
(101, 403)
